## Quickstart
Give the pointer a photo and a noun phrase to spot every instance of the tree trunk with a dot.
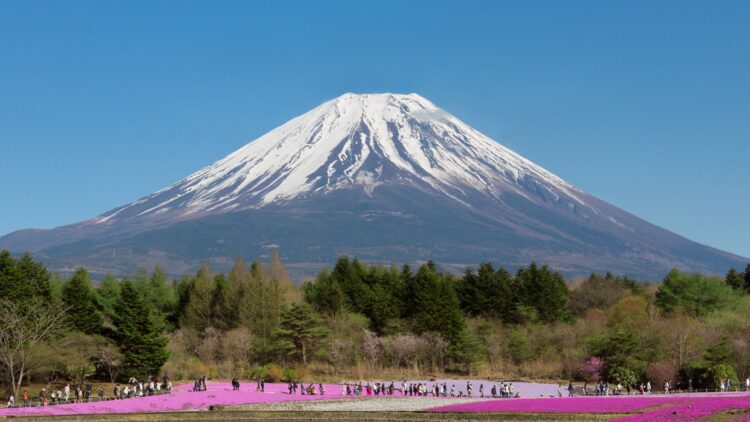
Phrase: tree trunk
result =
(20, 382)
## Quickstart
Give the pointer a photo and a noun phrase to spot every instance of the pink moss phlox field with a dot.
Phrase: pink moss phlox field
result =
(657, 407)
(559, 405)
(694, 409)
(219, 393)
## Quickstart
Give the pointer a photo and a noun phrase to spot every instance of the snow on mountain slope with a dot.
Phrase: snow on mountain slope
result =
(354, 140)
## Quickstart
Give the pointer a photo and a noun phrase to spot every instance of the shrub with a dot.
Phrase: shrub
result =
(622, 375)
(724, 372)
(518, 349)
(272, 373)
(592, 369)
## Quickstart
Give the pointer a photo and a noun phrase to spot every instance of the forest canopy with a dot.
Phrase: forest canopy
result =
(362, 320)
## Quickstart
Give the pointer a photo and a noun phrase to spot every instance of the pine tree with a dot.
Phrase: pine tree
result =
(266, 302)
(325, 294)
(78, 296)
(300, 333)
(182, 288)
(34, 277)
(230, 296)
(544, 291)
(349, 275)
(386, 292)
(486, 292)
(139, 337)
(381, 307)
(107, 295)
(161, 296)
(246, 295)
(735, 280)
(219, 296)
(198, 311)
(407, 280)
(10, 278)
(260, 309)
(500, 298)
(436, 307)
(747, 278)
(469, 293)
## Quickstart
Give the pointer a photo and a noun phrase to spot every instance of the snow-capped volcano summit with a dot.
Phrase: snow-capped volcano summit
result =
(354, 140)
(385, 177)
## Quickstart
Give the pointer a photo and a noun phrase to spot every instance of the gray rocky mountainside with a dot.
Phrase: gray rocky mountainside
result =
(383, 177)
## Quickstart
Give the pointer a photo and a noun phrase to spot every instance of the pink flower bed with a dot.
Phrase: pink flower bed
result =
(693, 409)
(677, 407)
(218, 393)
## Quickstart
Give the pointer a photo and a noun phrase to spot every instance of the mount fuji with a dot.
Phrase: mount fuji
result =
(384, 177)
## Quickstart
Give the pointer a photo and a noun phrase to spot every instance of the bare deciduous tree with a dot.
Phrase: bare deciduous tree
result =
(238, 345)
(405, 348)
(23, 327)
(371, 345)
(210, 349)
(435, 348)
(337, 354)
(110, 358)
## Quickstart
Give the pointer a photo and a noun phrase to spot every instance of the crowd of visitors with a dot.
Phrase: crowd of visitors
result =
(135, 388)
(604, 388)
(84, 393)
(309, 390)
(423, 389)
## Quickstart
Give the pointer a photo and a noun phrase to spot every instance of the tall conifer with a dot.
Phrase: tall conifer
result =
(198, 310)
(78, 296)
(138, 335)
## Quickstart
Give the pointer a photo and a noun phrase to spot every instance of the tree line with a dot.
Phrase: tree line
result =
(360, 320)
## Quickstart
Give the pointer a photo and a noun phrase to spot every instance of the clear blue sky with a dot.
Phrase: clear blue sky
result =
(644, 104)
